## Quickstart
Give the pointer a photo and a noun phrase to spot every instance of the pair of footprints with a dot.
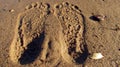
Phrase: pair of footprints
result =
(52, 37)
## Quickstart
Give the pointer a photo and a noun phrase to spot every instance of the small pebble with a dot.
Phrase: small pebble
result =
(12, 10)
(100, 17)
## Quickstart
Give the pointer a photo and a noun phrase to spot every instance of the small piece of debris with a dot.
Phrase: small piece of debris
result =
(96, 56)
(4, 9)
(12, 10)
(98, 17)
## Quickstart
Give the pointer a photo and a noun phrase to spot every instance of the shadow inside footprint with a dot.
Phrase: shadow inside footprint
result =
(85, 52)
(32, 51)
(83, 56)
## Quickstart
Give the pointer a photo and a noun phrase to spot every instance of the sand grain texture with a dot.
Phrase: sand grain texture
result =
(45, 33)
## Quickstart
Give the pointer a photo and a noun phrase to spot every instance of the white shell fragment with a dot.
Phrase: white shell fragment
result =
(96, 56)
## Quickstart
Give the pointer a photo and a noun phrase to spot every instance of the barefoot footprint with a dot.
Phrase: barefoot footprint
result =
(71, 21)
(34, 36)
(29, 33)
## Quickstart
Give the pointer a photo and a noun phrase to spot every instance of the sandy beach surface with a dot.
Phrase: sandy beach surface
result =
(59, 33)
